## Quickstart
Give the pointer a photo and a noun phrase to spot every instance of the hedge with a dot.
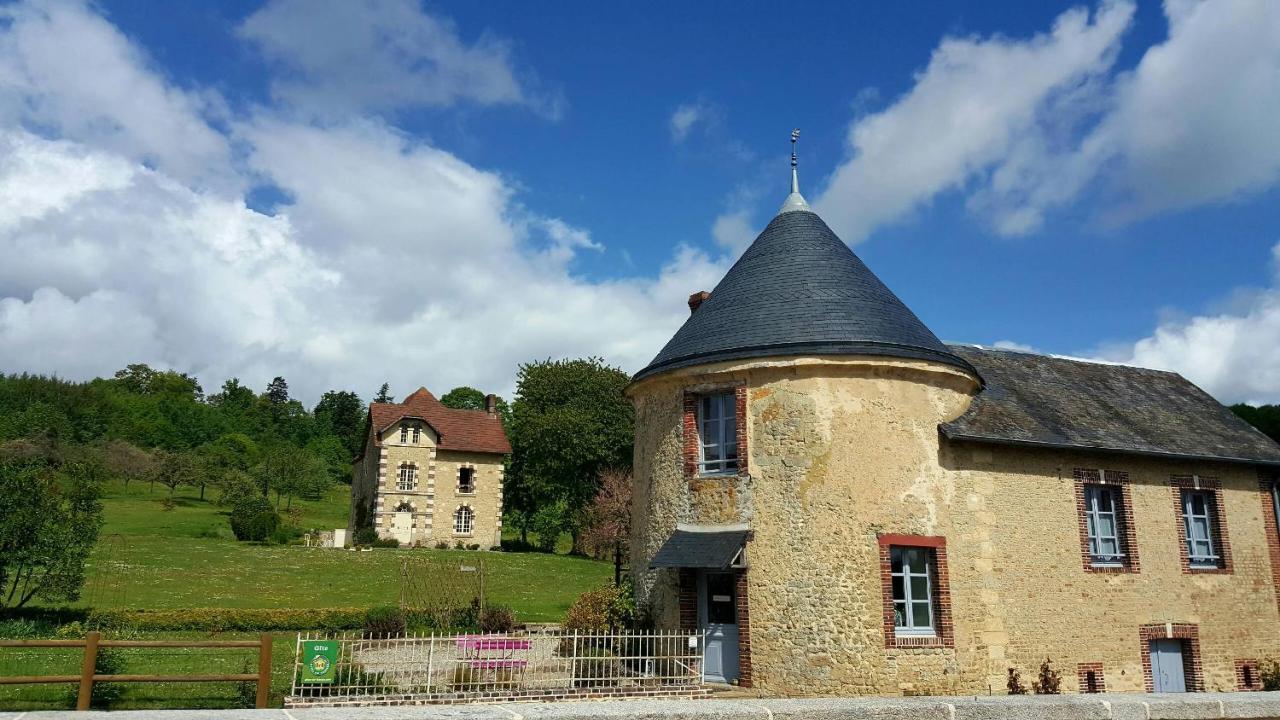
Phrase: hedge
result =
(213, 619)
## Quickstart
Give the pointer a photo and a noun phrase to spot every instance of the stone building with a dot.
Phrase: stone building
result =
(847, 505)
(429, 474)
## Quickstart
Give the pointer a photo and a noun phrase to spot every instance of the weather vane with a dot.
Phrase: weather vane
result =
(795, 135)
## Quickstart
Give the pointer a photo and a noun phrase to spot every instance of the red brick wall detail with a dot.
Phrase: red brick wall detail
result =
(1221, 538)
(1247, 677)
(689, 444)
(945, 636)
(688, 597)
(744, 632)
(1099, 680)
(1267, 479)
(1124, 519)
(1190, 637)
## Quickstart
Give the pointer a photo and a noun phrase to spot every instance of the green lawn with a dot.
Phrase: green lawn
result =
(185, 557)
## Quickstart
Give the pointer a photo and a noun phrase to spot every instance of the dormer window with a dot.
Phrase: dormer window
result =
(417, 434)
(404, 434)
(718, 433)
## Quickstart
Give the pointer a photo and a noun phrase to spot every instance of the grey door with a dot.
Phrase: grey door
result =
(718, 618)
(1166, 666)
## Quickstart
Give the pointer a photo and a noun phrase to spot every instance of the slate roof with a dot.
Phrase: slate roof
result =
(1043, 401)
(799, 290)
(468, 430)
(700, 548)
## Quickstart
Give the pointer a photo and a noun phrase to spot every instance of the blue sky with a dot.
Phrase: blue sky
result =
(346, 193)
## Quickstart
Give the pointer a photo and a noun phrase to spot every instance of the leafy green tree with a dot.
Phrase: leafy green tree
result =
(175, 469)
(342, 414)
(277, 391)
(1264, 417)
(253, 518)
(127, 461)
(141, 379)
(469, 398)
(48, 528)
(569, 421)
(290, 471)
(384, 394)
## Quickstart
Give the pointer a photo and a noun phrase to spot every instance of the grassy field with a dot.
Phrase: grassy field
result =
(186, 557)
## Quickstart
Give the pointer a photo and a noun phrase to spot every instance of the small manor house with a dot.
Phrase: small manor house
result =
(429, 474)
(846, 505)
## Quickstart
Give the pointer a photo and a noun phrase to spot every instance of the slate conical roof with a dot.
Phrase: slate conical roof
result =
(799, 290)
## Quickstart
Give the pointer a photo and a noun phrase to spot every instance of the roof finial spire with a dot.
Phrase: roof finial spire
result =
(795, 201)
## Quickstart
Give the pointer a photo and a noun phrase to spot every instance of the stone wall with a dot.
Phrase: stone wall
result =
(844, 451)
(486, 501)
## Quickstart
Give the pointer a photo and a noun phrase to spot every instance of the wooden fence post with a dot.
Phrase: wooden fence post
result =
(87, 669)
(264, 670)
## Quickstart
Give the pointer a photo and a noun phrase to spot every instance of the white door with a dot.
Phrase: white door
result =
(402, 527)
(1167, 673)
(718, 618)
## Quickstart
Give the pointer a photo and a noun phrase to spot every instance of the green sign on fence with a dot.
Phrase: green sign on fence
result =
(319, 661)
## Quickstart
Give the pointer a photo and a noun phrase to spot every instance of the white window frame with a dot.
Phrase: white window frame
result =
(407, 477)
(908, 600)
(417, 434)
(1191, 520)
(462, 490)
(1094, 515)
(713, 432)
(464, 521)
(404, 433)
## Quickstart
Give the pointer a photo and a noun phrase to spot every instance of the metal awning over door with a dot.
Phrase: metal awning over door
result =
(704, 547)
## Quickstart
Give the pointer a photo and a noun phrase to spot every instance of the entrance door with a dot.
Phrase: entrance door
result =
(718, 618)
(1166, 666)
(402, 527)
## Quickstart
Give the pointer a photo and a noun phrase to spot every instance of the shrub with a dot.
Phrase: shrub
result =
(284, 534)
(548, 523)
(1015, 683)
(1050, 681)
(442, 545)
(386, 542)
(365, 536)
(473, 546)
(497, 618)
(109, 662)
(459, 546)
(253, 518)
(384, 621)
(600, 610)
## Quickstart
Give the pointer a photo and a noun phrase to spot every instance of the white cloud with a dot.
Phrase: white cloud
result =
(684, 118)
(394, 260)
(734, 230)
(1025, 126)
(969, 111)
(382, 55)
(66, 69)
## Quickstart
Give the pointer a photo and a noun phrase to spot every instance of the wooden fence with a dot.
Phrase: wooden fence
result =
(88, 675)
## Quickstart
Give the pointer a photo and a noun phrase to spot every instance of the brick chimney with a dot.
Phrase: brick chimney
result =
(491, 405)
(696, 300)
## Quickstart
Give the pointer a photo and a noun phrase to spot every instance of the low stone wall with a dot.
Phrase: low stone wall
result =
(1192, 706)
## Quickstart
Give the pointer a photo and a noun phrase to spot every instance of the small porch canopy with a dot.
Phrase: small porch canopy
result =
(704, 547)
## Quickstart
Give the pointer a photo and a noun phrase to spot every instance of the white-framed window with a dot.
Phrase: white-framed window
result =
(417, 434)
(464, 521)
(466, 480)
(408, 477)
(1198, 508)
(718, 432)
(911, 569)
(1102, 508)
(404, 434)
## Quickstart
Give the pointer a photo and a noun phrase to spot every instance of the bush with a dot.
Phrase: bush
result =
(284, 534)
(1269, 672)
(459, 546)
(548, 523)
(497, 619)
(109, 662)
(473, 546)
(1014, 683)
(442, 545)
(386, 542)
(1050, 681)
(365, 536)
(600, 610)
(384, 621)
(253, 518)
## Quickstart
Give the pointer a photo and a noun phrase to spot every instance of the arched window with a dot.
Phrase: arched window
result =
(464, 521)
(404, 507)
(466, 480)
(408, 479)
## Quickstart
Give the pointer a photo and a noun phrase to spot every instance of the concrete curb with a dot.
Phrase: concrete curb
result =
(1197, 706)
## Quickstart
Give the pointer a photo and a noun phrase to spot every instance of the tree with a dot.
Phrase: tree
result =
(569, 421)
(341, 413)
(127, 461)
(141, 379)
(469, 398)
(48, 528)
(278, 391)
(384, 394)
(175, 469)
(607, 529)
(289, 470)
(1264, 417)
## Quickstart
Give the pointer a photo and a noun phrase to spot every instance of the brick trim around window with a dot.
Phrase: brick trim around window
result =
(1124, 519)
(1190, 637)
(944, 631)
(1247, 677)
(1221, 539)
(1267, 479)
(1083, 671)
(689, 445)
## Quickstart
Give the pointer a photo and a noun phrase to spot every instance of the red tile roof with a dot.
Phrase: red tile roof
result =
(468, 430)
